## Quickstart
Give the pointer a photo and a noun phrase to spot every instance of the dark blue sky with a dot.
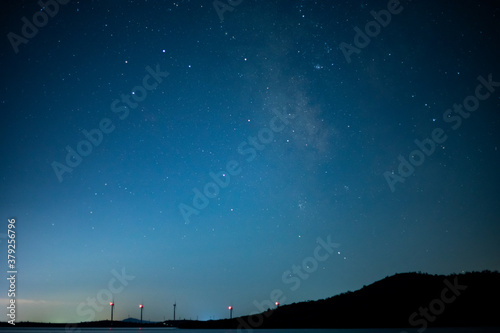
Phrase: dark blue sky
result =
(219, 161)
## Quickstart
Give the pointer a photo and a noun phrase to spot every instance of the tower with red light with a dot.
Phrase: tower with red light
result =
(112, 304)
(230, 312)
(141, 307)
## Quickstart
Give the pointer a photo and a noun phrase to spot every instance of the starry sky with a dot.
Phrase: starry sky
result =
(162, 152)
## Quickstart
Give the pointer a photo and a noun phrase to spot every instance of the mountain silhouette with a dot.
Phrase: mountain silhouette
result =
(412, 300)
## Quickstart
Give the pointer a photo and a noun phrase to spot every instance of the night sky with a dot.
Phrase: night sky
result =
(152, 153)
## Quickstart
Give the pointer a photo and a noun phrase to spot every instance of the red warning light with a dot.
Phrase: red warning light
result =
(111, 303)
(140, 305)
(230, 307)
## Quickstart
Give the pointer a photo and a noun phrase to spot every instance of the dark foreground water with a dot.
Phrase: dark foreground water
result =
(153, 330)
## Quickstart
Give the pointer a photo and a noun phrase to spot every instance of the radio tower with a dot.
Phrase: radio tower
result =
(112, 304)
(175, 304)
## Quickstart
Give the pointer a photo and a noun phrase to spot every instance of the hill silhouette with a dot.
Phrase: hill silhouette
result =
(402, 300)
(415, 300)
